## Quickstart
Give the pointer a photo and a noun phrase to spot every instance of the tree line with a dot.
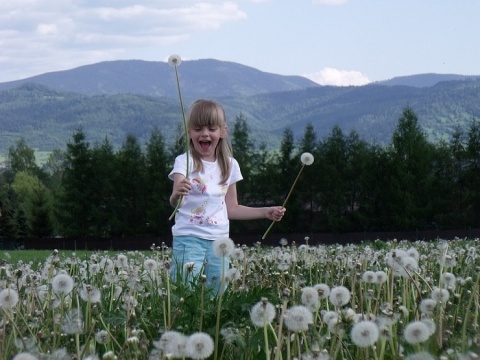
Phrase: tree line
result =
(95, 191)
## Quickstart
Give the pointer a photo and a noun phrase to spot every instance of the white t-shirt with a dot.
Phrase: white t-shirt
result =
(203, 212)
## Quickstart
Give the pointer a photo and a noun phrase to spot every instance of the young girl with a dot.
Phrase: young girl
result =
(208, 195)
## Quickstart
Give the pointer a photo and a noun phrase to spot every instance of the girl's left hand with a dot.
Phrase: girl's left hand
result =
(275, 213)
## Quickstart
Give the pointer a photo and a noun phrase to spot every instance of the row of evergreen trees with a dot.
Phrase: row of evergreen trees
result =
(352, 185)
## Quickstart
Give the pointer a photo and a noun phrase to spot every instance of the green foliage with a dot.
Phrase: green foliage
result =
(352, 185)
(46, 118)
(137, 306)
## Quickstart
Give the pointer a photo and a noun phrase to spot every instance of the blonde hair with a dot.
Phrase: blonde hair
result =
(210, 113)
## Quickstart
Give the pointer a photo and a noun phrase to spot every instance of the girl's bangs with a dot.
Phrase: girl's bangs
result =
(210, 115)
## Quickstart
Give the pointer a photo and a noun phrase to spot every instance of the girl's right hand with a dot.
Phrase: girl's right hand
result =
(182, 187)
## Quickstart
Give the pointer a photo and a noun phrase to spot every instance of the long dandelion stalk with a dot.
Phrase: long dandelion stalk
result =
(306, 159)
(175, 61)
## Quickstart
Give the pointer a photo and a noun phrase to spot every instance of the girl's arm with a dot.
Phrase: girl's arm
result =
(240, 212)
(181, 187)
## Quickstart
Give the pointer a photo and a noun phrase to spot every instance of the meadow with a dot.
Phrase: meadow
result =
(394, 299)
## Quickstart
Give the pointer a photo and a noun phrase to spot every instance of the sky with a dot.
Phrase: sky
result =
(333, 42)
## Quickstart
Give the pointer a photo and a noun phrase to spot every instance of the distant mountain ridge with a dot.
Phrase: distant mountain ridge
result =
(425, 80)
(112, 99)
(198, 78)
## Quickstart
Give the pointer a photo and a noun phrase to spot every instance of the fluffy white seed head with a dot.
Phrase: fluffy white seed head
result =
(307, 159)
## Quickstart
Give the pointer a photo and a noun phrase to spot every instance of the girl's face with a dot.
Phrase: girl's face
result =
(205, 140)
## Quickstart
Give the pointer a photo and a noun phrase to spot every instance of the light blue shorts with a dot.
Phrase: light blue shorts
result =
(199, 252)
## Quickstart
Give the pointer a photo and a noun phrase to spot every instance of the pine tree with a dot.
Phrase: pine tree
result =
(411, 178)
(78, 182)
(158, 186)
(131, 186)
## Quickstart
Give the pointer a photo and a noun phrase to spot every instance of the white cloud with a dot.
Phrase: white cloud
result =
(329, 2)
(336, 77)
(76, 32)
(47, 29)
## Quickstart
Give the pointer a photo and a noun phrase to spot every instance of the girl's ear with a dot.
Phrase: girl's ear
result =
(224, 132)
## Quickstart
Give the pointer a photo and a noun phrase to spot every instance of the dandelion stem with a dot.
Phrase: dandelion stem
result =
(202, 307)
(187, 142)
(265, 336)
(285, 202)
(467, 314)
(107, 328)
(278, 352)
(219, 309)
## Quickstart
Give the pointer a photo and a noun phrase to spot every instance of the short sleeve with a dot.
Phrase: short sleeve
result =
(236, 174)
(179, 167)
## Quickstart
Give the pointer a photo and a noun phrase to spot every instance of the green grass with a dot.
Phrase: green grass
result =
(36, 256)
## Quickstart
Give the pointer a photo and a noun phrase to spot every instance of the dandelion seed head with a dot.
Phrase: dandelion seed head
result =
(317, 355)
(349, 315)
(336, 326)
(199, 345)
(262, 313)
(101, 336)
(109, 355)
(408, 267)
(364, 333)
(310, 298)
(122, 261)
(189, 267)
(107, 264)
(150, 264)
(307, 159)
(412, 252)
(233, 274)
(90, 294)
(59, 354)
(381, 276)
(297, 318)
(328, 316)
(421, 355)
(448, 261)
(223, 247)
(172, 343)
(94, 268)
(62, 284)
(416, 332)
(237, 254)
(369, 277)
(395, 258)
(8, 298)
(91, 357)
(339, 296)
(323, 290)
(440, 295)
(25, 356)
(174, 60)
(449, 280)
(427, 306)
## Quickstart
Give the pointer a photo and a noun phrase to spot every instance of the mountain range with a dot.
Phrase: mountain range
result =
(112, 99)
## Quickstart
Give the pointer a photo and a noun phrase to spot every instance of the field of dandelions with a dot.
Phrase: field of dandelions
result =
(375, 300)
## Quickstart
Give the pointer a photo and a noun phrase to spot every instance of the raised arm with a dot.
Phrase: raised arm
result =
(241, 212)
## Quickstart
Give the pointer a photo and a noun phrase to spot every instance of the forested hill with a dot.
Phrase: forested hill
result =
(105, 102)
(198, 78)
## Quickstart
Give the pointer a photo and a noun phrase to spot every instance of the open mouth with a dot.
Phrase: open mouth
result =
(204, 145)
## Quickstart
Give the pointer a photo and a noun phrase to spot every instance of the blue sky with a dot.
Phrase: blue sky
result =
(333, 42)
